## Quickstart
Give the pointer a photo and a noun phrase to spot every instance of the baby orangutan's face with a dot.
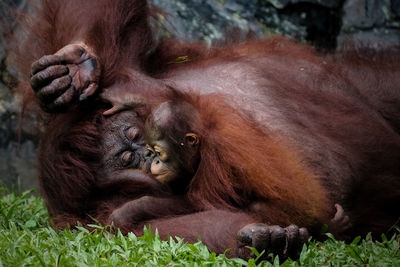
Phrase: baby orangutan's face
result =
(170, 163)
(175, 151)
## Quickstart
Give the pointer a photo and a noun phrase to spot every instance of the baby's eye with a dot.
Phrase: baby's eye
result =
(152, 152)
(126, 157)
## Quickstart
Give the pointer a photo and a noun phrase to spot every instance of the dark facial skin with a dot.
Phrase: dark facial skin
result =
(175, 150)
(123, 144)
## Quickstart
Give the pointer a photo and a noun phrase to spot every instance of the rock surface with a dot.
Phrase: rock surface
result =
(324, 23)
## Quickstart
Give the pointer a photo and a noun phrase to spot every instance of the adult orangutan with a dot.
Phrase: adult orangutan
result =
(333, 120)
(90, 165)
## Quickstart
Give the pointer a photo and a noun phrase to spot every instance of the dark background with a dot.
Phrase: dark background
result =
(326, 24)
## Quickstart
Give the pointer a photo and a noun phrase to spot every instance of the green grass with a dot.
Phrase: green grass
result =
(26, 239)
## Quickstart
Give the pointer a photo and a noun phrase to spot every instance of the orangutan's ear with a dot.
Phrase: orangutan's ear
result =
(192, 139)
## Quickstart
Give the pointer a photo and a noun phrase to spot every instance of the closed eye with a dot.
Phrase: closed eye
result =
(132, 133)
(126, 157)
(131, 136)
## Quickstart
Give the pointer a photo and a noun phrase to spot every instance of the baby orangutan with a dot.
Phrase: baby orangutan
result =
(174, 146)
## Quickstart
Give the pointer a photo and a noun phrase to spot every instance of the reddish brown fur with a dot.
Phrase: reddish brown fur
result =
(70, 174)
(339, 114)
(326, 119)
(239, 156)
(69, 154)
(110, 28)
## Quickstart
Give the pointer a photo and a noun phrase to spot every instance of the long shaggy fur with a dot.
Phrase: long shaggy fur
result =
(69, 154)
(117, 30)
(241, 162)
(331, 132)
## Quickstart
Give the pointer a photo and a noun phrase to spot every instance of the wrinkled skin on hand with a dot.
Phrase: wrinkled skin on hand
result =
(71, 73)
(284, 242)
